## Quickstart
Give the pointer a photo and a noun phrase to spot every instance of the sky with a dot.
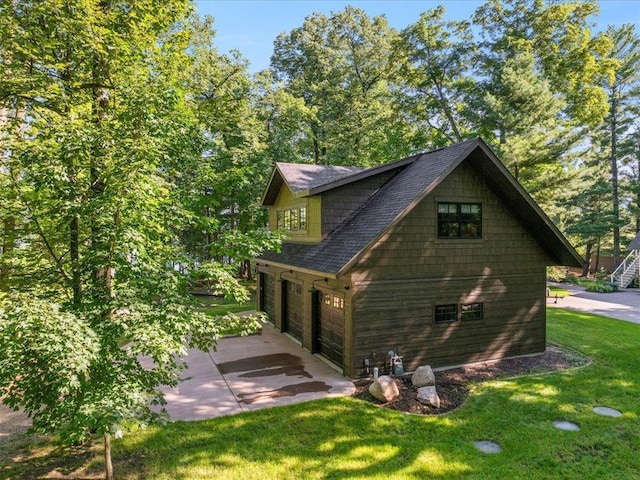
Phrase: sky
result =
(251, 26)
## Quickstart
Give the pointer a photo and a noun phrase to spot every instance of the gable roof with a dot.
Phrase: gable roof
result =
(302, 178)
(414, 178)
(635, 243)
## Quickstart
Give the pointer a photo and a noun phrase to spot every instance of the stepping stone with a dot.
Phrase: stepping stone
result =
(485, 446)
(564, 425)
(607, 412)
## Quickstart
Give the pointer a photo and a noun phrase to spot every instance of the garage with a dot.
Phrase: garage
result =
(268, 296)
(293, 310)
(330, 327)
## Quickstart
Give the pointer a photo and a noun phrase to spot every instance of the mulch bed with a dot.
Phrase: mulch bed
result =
(453, 385)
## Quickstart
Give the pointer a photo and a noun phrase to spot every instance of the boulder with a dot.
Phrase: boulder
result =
(384, 389)
(423, 377)
(428, 396)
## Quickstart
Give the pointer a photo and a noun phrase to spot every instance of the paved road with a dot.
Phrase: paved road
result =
(622, 305)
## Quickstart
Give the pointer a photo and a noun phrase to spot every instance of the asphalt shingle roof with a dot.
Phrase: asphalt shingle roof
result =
(374, 216)
(302, 177)
(412, 179)
(635, 243)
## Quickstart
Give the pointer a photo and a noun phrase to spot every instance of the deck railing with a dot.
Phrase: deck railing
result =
(627, 270)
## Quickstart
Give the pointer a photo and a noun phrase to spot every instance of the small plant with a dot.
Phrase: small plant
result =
(602, 274)
(601, 287)
(572, 279)
(556, 274)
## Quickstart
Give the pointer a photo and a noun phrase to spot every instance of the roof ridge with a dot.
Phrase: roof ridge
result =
(372, 197)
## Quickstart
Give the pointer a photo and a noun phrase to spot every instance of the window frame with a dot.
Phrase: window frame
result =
(292, 220)
(458, 221)
(437, 314)
(472, 314)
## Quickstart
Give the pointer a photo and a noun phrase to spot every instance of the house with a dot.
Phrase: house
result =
(629, 269)
(439, 257)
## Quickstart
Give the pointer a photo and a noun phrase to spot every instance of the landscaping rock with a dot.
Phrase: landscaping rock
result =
(384, 389)
(428, 396)
(423, 377)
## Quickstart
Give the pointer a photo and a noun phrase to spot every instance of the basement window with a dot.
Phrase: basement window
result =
(459, 220)
(471, 311)
(445, 313)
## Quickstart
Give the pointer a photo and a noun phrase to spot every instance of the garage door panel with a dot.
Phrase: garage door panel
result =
(269, 296)
(293, 310)
(330, 327)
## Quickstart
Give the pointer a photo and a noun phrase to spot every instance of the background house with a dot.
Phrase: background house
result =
(440, 256)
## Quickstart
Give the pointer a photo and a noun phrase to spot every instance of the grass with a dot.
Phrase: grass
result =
(347, 438)
(215, 306)
(558, 291)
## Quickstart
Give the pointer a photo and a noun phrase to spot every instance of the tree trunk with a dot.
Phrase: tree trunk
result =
(108, 466)
(316, 151)
(587, 263)
(614, 180)
(103, 271)
(597, 267)
(10, 221)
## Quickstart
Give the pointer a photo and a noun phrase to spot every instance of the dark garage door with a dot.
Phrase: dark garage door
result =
(330, 327)
(268, 306)
(293, 310)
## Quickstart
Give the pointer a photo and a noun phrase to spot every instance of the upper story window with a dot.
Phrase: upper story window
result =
(459, 220)
(292, 219)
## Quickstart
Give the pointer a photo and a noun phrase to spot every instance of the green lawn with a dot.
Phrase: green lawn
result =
(214, 306)
(347, 438)
(558, 291)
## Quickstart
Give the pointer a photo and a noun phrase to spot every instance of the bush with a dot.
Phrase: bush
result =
(572, 279)
(556, 274)
(602, 274)
(602, 287)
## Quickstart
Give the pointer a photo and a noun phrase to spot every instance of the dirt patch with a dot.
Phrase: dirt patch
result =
(454, 385)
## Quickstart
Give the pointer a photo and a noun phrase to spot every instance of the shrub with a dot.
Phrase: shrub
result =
(572, 279)
(602, 287)
(556, 274)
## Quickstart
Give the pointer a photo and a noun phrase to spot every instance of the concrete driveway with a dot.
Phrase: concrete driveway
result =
(245, 373)
(623, 305)
(249, 373)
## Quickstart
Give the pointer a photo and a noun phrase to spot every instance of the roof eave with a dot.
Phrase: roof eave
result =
(569, 257)
(285, 266)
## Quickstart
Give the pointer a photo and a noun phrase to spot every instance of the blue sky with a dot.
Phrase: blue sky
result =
(251, 26)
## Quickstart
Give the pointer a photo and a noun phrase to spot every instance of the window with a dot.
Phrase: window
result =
(293, 214)
(446, 313)
(338, 302)
(472, 311)
(459, 220)
(292, 219)
(327, 299)
(303, 218)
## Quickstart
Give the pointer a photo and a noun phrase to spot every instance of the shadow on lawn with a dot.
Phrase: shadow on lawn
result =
(335, 438)
(347, 438)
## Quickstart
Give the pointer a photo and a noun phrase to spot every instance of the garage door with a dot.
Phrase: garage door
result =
(268, 285)
(293, 310)
(330, 327)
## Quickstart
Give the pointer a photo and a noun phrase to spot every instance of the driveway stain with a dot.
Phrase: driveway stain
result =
(284, 391)
(266, 366)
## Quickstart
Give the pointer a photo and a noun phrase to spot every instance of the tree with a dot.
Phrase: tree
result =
(437, 76)
(341, 67)
(623, 94)
(541, 73)
(91, 169)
